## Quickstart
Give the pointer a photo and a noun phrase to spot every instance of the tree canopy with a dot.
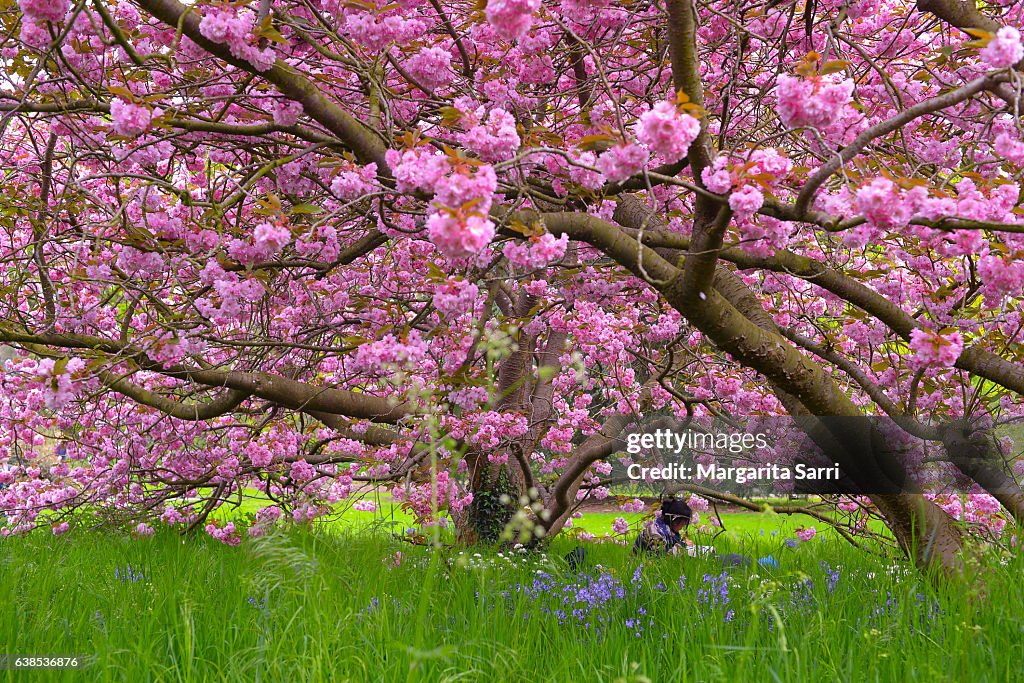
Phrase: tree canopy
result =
(462, 249)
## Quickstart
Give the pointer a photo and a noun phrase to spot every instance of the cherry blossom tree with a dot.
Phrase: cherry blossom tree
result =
(462, 250)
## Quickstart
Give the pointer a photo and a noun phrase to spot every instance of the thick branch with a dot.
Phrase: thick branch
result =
(366, 144)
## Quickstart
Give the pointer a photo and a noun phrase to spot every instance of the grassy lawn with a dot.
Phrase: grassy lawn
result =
(739, 529)
(332, 604)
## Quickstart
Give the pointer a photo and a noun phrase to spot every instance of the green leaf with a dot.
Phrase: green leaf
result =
(834, 66)
(598, 142)
(122, 92)
(266, 30)
(435, 273)
(305, 209)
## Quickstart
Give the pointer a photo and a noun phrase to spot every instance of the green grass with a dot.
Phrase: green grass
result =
(328, 605)
(598, 523)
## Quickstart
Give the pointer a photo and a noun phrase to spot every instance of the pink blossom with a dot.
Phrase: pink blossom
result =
(622, 161)
(511, 19)
(225, 534)
(590, 179)
(769, 161)
(457, 235)
(417, 169)
(302, 471)
(376, 32)
(268, 515)
(497, 139)
(234, 29)
(286, 112)
(271, 238)
(620, 525)
(745, 201)
(815, 102)
(934, 350)
(1001, 276)
(467, 187)
(667, 130)
(44, 10)
(143, 530)
(61, 529)
(58, 388)
(455, 297)
(355, 181)
(806, 533)
(1004, 50)
(717, 177)
(635, 505)
(389, 352)
(698, 503)
(171, 515)
(130, 119)
(431, 67)
(881, 203)
(1006, 146)
(364, 505)
(537, 252)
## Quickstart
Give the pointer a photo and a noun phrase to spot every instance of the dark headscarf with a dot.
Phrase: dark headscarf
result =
(673, 510)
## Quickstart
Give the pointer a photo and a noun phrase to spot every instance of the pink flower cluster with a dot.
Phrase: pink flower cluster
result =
(234, 29)
(364, 505)
(420, 500)
(511, 19)
(266, 517)
(806, 533)
(1001, 276)
(592, 180)
(620, 525)
(813, 102)
(635, 505)
(302, 471)
(667, 130)
(981, 509)
(985, 510)
(459, 226)
(468, 187)
(458, 234)
(537, 252)
(698, 503)
(417, 169)
(431, 67)
(1010, 148)
(934, 350)
(286, 112)
(131, 119)
(622, 161)
(455, 297)
(354, 181)
(44, 10)
(495, 140)
(1004, 50)
(882, 204)
(388, 352)
(767, 164)
(270, 238)
(375, 32)
(58, 387)
(226, 534)
(746, 201)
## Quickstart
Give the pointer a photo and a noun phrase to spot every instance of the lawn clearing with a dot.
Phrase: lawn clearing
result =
(331, 605)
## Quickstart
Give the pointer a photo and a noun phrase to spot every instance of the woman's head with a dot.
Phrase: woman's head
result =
(676, 513)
